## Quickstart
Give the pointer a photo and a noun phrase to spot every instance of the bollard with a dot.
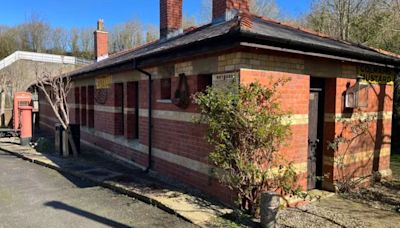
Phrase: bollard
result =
(269, 207)
(58, 139)
(26, 124)
(65, 144)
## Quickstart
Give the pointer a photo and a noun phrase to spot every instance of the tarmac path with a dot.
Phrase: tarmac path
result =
(35, 196)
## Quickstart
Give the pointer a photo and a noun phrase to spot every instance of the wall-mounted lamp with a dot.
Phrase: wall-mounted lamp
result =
(357, 95)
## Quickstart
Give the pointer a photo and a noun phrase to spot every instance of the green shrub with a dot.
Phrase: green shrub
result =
(247, 128)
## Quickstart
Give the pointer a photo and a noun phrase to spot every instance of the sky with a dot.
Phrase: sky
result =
(85, 13)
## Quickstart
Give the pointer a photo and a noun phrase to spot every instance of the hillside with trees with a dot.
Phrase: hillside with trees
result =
(37, 35)
(374, 23)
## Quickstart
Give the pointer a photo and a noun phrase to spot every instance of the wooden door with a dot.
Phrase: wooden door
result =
(313, 140)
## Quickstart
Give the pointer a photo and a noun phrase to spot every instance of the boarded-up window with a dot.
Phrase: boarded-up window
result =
(165, 88)
(83, 106)
(132, 124)
(90, 106)
(77, 109)
(119, 107)
(203, 81)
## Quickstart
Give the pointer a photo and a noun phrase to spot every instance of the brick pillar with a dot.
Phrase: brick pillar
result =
(222, 8)
(170, 18)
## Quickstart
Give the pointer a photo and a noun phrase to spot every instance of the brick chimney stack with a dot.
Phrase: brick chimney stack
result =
(224, 10)
(170, 18)
(100, 41)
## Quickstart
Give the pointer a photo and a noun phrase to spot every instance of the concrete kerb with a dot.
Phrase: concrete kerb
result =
(115, 187)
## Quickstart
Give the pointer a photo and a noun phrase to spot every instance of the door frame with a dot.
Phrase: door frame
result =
(318, 85)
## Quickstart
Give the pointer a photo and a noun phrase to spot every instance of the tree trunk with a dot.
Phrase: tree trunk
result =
(2, 108)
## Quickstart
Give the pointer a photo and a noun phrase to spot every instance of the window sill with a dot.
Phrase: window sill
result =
(165, 101)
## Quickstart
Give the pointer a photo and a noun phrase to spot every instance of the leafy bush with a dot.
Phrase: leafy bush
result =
(247, 127)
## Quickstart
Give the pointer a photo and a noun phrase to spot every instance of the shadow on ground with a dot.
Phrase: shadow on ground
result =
(100, 219)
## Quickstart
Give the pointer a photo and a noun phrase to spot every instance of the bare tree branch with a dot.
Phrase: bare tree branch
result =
(56, 88)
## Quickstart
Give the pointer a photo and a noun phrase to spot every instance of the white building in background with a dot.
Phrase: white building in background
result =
(18, 71)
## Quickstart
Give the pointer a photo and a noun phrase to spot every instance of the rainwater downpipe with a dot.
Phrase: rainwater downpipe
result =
(150, 115)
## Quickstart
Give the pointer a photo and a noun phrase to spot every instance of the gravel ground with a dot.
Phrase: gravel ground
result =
(377, 206)
(311, 215)
(385, 196)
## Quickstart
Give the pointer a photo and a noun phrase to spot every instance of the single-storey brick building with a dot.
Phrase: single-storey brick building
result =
(131, 105)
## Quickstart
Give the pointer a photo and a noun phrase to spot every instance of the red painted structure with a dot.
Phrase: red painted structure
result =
(22, 118)
(20, 99)
(26, 124)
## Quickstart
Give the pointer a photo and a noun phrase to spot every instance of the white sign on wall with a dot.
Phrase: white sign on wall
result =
(225, 79)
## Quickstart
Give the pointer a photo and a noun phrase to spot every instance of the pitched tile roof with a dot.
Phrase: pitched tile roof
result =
(269, 31)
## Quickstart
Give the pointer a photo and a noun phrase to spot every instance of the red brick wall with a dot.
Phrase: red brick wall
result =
(178, 137)
(294, 99)
(110, 120)
(361, 160)
(194, 84)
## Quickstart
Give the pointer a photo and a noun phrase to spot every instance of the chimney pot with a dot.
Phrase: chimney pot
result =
(100, 25)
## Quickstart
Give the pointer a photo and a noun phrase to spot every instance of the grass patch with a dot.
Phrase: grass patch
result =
(395, 150)
(236, 219)
(395, 165)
